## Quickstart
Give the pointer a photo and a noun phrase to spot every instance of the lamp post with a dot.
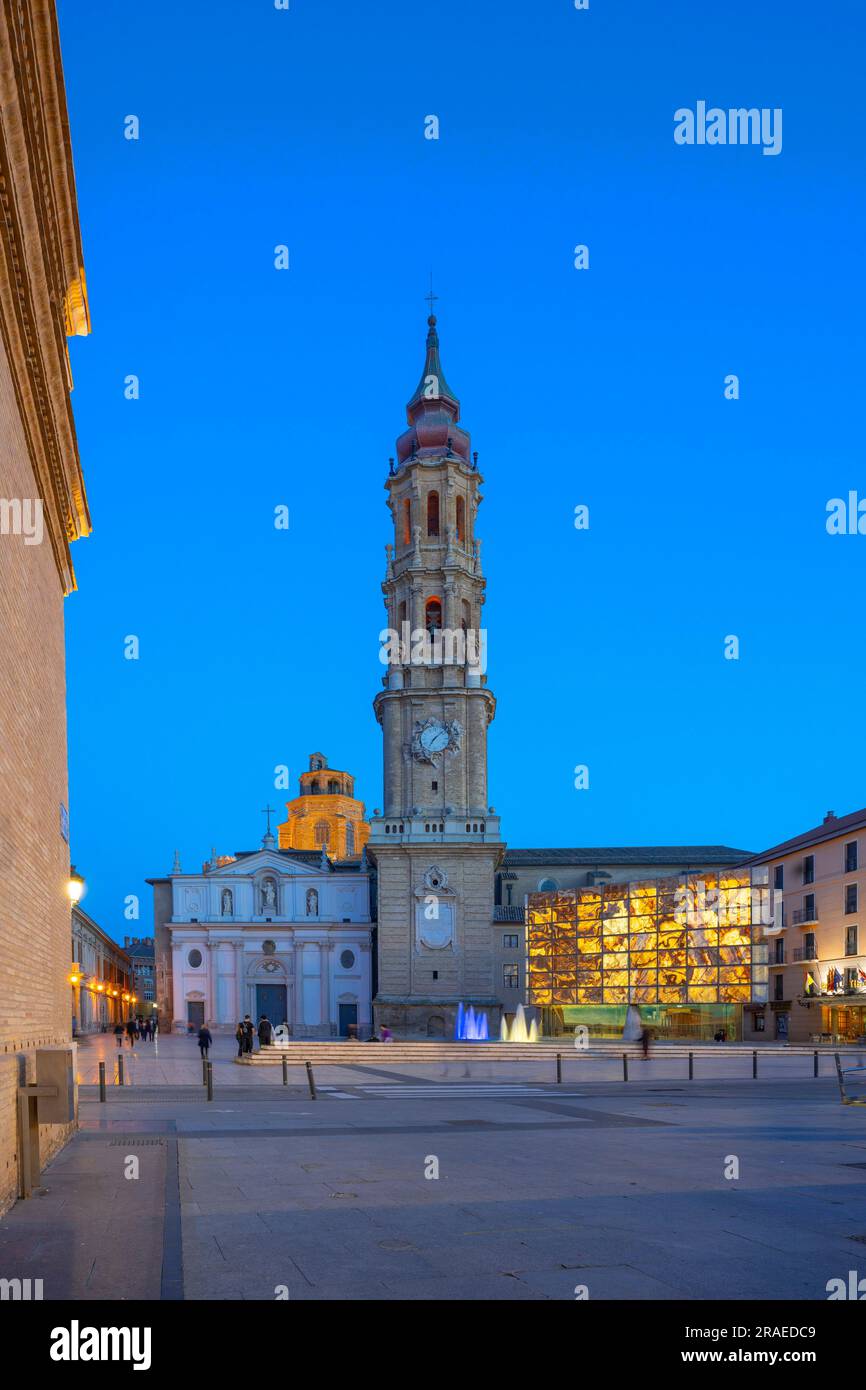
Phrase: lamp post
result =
(75, 885)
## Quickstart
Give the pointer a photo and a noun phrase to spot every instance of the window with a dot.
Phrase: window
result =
(779, 951)
(779, 987)
(350, 837)
(401, 615)
(433, 615)
(347, 960)
(850, 941)
(194, 959)
(809, 869)
(407, 521)
(510, 941)
(333, 787)
(466, 615)
(851, 857)
(809, 907)
(511, 976)
(850, 898)
(322, 833)
(809, 946)
(508, 888)
(461, 519)
(779, 877)
(432, 513)
(547, 885)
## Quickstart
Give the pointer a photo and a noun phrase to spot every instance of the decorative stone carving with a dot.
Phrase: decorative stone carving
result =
(227, 903)
(435, 878)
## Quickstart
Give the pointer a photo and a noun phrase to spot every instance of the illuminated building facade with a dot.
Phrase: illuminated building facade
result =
(689, 950)
(325, 815)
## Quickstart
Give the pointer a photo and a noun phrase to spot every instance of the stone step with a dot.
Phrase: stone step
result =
(363, 1054)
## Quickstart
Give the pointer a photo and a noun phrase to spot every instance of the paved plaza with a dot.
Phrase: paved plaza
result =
(542, 1189)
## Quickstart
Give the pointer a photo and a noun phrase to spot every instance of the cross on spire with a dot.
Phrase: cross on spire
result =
(267, 811)
(431, 297)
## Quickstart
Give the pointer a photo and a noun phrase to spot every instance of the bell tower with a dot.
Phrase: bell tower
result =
(436, 842)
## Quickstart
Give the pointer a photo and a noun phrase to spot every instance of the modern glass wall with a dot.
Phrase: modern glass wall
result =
(688, 940)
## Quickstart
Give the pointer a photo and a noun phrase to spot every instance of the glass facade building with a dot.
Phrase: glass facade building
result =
(689, 950)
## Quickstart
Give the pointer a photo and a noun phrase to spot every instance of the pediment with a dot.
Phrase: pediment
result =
(266, 859)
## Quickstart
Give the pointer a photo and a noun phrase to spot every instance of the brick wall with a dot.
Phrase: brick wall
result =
(35, 930)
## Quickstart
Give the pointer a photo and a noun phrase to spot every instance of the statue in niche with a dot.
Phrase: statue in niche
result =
(269, 896)
(227, 903)
(312, 903)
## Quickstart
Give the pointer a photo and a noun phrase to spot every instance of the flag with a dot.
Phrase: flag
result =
(810, 983)
(862, 974)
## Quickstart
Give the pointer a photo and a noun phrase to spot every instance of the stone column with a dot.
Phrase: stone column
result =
(212, 1003)
(240, 981)
(177, 983)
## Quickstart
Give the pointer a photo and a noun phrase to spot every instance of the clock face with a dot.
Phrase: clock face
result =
(434, 738)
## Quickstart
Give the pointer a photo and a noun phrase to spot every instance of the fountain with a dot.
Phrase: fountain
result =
(518, 1032)
(471, 1026)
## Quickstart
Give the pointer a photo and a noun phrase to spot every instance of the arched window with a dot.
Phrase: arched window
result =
(433, 615)
(350, 837)
(322, 833)
(333, 787)
(401, 613)
(547, 885)
(432, 513)
(407, 521)
(314, 788)
(461, 519)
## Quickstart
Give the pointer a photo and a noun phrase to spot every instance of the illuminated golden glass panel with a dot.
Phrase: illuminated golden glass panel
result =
(688, 938)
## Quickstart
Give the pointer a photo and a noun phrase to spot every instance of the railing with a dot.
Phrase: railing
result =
(803, 915)
(805, 953)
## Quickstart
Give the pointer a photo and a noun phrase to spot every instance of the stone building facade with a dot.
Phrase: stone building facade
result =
(101, 977)
(43, 508)
(286, 933)
(817, 941)
(436, 841)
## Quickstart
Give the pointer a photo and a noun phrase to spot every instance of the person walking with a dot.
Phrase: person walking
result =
(118, 1033)
(240, 1036)
(131, 1030)
(249, 1033)
(265, 1032)
(204, 1040)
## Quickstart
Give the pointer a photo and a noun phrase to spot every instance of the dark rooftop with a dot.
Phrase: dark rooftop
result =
(696, 855)
(830, 827)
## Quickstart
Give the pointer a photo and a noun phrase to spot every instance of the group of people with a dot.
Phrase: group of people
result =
(246, 1032)
(135, 1029)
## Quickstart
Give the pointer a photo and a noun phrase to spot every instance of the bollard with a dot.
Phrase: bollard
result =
(120, 1068)
(203, 1069)
(625, 1066)
(210, 1080)
(285, 1070)
(754, 1063)
(559, 1066)
(312, 1083)
(815, 1072)
(691, 1066)
(102, 1081)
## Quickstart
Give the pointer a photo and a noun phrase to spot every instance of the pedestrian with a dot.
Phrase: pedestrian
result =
(385, 1034)
(645, 1041)
(118, 1033)
(265, 1031)
(240, 1036)
(204, 1039)
(131, 1030)
(249, 1033)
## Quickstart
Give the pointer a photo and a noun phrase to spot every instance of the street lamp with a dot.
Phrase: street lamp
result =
(75, 886)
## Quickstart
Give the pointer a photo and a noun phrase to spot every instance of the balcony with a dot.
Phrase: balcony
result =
(804, 916)
(805, 953)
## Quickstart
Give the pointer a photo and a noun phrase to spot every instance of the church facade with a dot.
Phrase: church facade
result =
(281, 932)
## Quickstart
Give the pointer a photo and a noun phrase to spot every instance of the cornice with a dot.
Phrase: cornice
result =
(43, 294)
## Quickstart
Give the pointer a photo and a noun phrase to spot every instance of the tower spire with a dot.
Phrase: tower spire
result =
(433, 387)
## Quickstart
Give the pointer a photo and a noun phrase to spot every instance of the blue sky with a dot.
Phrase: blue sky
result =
(605, 387)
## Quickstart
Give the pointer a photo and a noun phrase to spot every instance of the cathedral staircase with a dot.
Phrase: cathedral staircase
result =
(394, 1053)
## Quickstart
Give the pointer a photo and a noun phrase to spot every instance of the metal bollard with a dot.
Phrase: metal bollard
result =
(285, 1070)
(203, 1069)
(210, 1080)
(559, 1066)
(102, 1081)
(311, 1081)
(754, 1063)
(691, 1066)
(120, 1068)
(815, 1072)
(625, 1066)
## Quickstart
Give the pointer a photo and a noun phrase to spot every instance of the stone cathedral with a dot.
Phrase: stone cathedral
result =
(436, 842)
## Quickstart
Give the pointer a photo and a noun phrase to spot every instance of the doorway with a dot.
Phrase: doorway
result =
(348, 1015)
(271, 1001)
(195, 1012)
